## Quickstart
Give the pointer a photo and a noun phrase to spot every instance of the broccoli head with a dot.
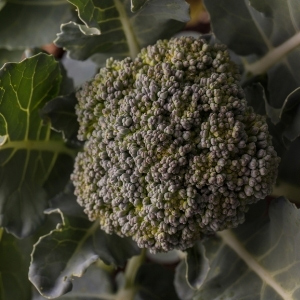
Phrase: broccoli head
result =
(172, 150)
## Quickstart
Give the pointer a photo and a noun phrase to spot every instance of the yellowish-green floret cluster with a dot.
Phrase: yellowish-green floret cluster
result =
(172, 151)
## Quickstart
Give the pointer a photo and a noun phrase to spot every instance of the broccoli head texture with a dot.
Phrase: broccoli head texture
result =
(172, 151)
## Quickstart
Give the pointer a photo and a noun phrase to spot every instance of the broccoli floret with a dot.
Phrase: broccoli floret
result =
(172, 150)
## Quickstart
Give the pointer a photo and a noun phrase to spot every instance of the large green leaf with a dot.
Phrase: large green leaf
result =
(14, 263)
(137, 4)
(155, 281)
(111, 28)
(36, 22)
(69, 250)
(95, 284)
(289, 171)
(191, 272)
(238, 25)
(280, 10)
(258, 260)
(270, 30)
(29, 150)
(255, 96)
(15, 260)
(290, 115)
(61, 113)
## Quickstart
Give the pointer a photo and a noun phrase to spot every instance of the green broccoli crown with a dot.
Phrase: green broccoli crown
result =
(172, 150)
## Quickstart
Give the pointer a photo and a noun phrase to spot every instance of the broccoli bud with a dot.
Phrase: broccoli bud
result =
(172, 150)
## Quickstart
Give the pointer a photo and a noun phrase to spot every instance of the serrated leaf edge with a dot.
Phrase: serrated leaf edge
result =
(59, 228)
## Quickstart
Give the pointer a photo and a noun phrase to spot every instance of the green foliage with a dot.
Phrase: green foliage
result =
(30, 152)
(137, 4)
(61, 113)
(14, 264)
(97, 283)
(71, 257)
(289, 115)
(111, 29)
(24, 17)
(263, 251)
(68, 250)
(148, 280)
(270, 31)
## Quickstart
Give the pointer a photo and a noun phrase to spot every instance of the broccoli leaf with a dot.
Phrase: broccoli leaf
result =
(33, 159)
(14, 263)
(155, 282)
(183, 288)
(61, 112)
(111, 28)
(95, 284)
(69, 250)
(246, 30)
(258, 260)
(290, 115)
(191, 272)
(36, 22)
(254, 92)
(256, 97)
(253, 32)
(137, 4)
(289, 171)
(271, 30)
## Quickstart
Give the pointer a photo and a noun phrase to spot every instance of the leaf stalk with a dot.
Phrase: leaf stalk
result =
(129, 290)
(39, 145)
(132, 43)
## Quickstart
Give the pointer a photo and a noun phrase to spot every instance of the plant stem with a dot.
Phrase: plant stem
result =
(132, 268)
(290, 191)
(1, 232)
(132, 43)
(273, 56)
(129, 290)
(39, 145)
(107, 268)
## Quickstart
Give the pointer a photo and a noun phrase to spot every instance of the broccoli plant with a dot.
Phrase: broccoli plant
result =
(149, 150)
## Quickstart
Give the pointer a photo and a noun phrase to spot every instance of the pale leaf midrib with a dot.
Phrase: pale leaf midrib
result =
(274, 56)
(259, 29)
(42, 145)
(231, 241)
(132, 43)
